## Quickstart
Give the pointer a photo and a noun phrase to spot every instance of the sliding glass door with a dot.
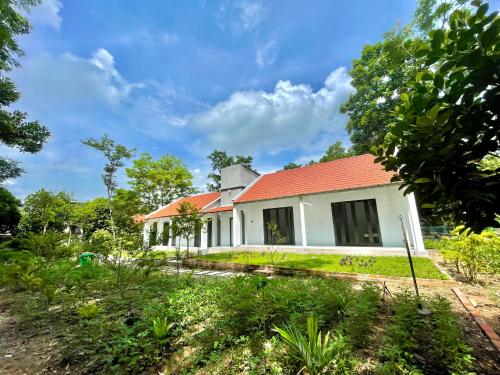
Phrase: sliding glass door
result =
(356, 223)
(283, 218)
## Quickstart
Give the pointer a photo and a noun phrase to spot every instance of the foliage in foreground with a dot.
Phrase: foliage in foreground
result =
(424, 343)
(216, 326)
(449, 120)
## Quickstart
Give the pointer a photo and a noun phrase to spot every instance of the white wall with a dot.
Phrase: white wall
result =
(319, 221)
(225, 231)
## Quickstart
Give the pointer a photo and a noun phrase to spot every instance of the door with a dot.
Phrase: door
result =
(166, 234)
(356, 223)
(209, 233)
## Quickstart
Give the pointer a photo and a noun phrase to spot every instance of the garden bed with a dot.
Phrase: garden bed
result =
(321, 264)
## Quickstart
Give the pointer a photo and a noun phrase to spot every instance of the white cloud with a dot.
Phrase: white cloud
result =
(242, 15)
(47, 14)
(68, 78)
(293, 116)
(266, 54)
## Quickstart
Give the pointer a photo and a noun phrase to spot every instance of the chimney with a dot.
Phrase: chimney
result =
(233, 180)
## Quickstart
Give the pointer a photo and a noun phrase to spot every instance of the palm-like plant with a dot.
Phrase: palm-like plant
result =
(314, 351)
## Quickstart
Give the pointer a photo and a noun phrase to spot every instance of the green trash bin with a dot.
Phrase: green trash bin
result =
(86, 258)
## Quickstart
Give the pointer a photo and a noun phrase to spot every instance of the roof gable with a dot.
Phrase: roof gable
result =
(200, 201)
(342, 174)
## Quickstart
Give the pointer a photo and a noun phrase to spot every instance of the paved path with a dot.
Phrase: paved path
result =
(202, 272)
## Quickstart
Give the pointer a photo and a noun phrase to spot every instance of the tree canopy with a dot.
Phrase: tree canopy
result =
(448, 121)
(159, 182)
(9, 212)
(383, 72)
(15, 130)
(220, 159)
(336, 151)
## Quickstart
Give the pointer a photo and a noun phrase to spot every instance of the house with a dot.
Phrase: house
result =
(348, 204)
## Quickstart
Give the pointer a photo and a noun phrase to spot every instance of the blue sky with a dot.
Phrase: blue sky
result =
(264, 78)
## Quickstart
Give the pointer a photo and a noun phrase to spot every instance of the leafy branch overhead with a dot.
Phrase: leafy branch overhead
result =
(448, 121)
(15, 130)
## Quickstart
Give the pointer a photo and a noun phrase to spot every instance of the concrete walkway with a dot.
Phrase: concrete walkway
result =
(201, 272)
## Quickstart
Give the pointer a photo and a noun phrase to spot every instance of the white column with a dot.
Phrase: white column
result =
(159, 233)
(236, 228)
(302, 222)
(146, 233)
(415, 223)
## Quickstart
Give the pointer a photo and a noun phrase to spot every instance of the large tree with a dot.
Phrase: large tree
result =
(159, 182)
(115, 155)
(220, 159)
(92, 215)
(382, 73)
(44, 210)
(15, 130)
(448, 122)
(9, 212)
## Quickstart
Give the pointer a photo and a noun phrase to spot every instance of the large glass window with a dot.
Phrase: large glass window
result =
(153, 233)
(230, 231)
(356, 223)
(166, 234)
(283, 218)
(218, 231)
(209, 233)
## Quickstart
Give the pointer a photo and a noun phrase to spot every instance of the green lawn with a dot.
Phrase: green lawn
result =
(380, 265)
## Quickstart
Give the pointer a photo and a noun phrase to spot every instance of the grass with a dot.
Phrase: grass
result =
(380, 265)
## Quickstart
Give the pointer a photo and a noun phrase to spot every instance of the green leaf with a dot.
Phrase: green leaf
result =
(438, 81)
(437, 39)
(428, 205)
(423, 180)
(481, 11)
(404, 97)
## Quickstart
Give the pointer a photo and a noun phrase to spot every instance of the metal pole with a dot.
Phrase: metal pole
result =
(407, 245)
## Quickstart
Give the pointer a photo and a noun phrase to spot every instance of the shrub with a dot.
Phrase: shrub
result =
(416, 343)
(472, 253)
(88, 311)
(50, 245)
(314, 351)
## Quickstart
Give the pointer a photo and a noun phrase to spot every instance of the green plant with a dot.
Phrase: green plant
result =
(314, 351)
(31, 281)
(424, 343)
(88, 311)
(161, 327)
(472, 253)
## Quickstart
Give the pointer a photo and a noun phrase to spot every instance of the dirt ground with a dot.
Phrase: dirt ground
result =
(25, 351)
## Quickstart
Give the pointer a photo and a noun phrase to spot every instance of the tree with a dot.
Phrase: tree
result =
(159, 182)
(127, 203)
(92, 216)
(114, 154)
(291, 165)
(15, 130)
(9, 212)
(449, 121)
(185, 225)
(336, 151)
(220, 159)
(382, 73)
(44, 210)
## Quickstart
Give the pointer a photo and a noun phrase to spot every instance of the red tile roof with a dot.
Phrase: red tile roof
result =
(218, 209)
(349, 173)
(200, 201)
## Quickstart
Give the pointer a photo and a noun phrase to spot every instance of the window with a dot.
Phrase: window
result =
(197, 236)
(209, 233)
(243, 239)
(356, 223)
(153, 233)
(230, 231)
(283, 218)
(166, 234)
(218, 230)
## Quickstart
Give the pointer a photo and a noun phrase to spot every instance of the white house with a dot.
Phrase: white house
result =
(348, 204)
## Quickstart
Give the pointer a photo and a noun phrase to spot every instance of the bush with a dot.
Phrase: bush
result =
(415, 343)
(50, 245)
(472, 253)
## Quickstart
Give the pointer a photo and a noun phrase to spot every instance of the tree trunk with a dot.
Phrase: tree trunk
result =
(111, 221)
